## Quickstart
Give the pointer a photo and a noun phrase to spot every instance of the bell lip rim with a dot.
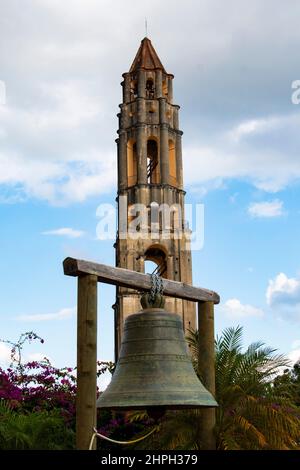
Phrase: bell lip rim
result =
(166, 407)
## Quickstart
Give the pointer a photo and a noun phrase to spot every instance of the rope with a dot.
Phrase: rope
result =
(134, 441)
(157, 286)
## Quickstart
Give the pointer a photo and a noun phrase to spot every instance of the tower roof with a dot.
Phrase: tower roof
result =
(146, 58)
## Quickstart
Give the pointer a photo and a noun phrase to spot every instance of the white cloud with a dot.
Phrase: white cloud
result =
(54, 154)
(73, 107)
(266, 209)
(62, 314)
(253, 126)
(296, 344)
(294, 356)
(283, 293)
(234, 309)
(37, 356)
(104, 380)
(261, 152)
(57, 128)
(65, 232)
(5, 358)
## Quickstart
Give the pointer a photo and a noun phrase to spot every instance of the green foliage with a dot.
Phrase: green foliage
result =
(253, 414)
(178, 430)
(32, 431)
(37, 402)
(289, 383)
(258, 408)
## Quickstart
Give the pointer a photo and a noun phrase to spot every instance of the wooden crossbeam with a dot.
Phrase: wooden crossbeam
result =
(138, 281)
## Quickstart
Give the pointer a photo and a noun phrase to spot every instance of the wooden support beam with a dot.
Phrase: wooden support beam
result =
(206, 371)
(86, 361)
(134, 280)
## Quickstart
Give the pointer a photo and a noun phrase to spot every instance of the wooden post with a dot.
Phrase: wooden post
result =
(206, 370)
(86, 360)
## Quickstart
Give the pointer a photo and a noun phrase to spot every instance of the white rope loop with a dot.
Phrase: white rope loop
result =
(134, 441)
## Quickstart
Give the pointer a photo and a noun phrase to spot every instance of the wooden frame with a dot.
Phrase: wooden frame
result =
(89, 274)
(134, 280)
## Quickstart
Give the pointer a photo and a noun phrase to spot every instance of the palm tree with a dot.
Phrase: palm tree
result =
(252, 413)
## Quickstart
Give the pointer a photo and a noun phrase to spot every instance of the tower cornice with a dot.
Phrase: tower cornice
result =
(165, 126)
(151, 186)
(122, 105)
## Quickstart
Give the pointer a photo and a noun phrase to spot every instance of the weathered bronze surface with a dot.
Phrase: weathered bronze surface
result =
(154, 368)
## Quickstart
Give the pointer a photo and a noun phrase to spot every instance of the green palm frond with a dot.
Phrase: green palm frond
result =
(253, 414)
(5, 407)
(230, 340)
(34, 431)
(192, 339)
(137, 415)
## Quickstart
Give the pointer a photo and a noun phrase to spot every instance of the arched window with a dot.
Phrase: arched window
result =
(172, 164)
(150, 89)
(152, 161)
(156, 261)
(131, 163)
(150, 266)
(133, 89)
(165, 88)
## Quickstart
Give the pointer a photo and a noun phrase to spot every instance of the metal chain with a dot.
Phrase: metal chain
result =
(157, 286)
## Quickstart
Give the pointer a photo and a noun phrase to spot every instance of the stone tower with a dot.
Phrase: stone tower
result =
(150, 185)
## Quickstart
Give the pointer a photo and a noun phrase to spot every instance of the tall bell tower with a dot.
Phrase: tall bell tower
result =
(150, 185)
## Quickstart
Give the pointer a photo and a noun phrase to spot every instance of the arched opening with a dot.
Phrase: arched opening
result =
(150, 266)
(165, 88)
(172, 164)
(156, 262)
(133, 89)
(150, 89)
(131, 163)
(152, 161)
(130, 215)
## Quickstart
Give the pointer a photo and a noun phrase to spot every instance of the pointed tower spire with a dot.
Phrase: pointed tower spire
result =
(146, 58)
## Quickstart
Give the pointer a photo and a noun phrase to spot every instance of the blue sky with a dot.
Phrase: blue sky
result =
(234, 66)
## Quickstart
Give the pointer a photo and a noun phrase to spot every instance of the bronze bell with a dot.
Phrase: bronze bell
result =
(154, 370)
